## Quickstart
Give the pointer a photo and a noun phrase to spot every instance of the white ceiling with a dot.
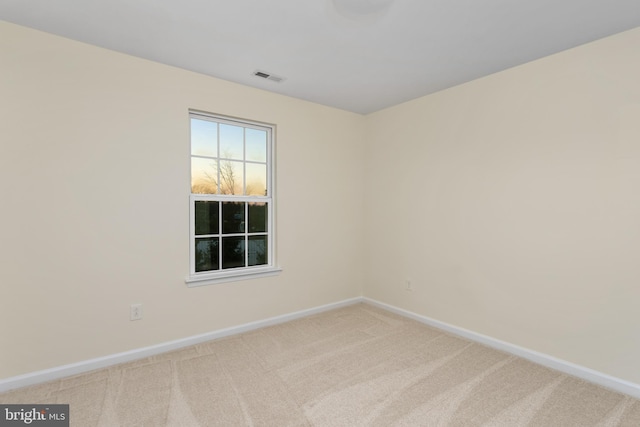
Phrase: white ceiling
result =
(413, 48)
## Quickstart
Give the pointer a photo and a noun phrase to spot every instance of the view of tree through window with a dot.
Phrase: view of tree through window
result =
(231, 203)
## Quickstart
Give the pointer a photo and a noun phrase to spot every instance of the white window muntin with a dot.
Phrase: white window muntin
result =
(227, 274)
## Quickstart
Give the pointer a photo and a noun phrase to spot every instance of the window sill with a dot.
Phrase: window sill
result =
(231, 276)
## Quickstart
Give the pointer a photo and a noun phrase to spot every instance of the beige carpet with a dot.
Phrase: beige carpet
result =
(355, 366)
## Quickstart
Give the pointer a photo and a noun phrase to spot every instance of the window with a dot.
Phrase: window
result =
(231, 202)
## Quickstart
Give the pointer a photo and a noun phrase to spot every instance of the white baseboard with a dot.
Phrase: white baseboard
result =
(569, 368)
(127, 356)
(587, 374)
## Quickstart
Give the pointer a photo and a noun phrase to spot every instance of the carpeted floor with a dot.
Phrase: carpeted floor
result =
(355, 366)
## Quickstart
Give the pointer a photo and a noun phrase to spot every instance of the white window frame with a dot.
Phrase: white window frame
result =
(239, 273)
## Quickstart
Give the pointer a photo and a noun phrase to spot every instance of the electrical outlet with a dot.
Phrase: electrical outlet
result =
(136, 312)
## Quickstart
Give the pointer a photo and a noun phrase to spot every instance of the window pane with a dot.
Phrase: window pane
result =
(256, 145)
(257, 250)
(231, 142)
(257, 217)
(206, 221)
(256, 179)
(204, 177)
(207, 254)
(231, 198)
(204, 138)
(231, 179)
(232, 252)
(232, 217)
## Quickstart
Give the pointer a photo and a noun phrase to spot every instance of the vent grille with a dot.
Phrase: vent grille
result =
(268, 76)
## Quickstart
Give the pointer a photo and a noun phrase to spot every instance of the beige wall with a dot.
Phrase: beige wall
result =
(513, 203)
(94, 180)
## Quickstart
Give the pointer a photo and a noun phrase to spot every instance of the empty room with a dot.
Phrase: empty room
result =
(320, 213)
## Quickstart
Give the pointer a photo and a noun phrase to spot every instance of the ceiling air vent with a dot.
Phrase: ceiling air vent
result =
(268, 76)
